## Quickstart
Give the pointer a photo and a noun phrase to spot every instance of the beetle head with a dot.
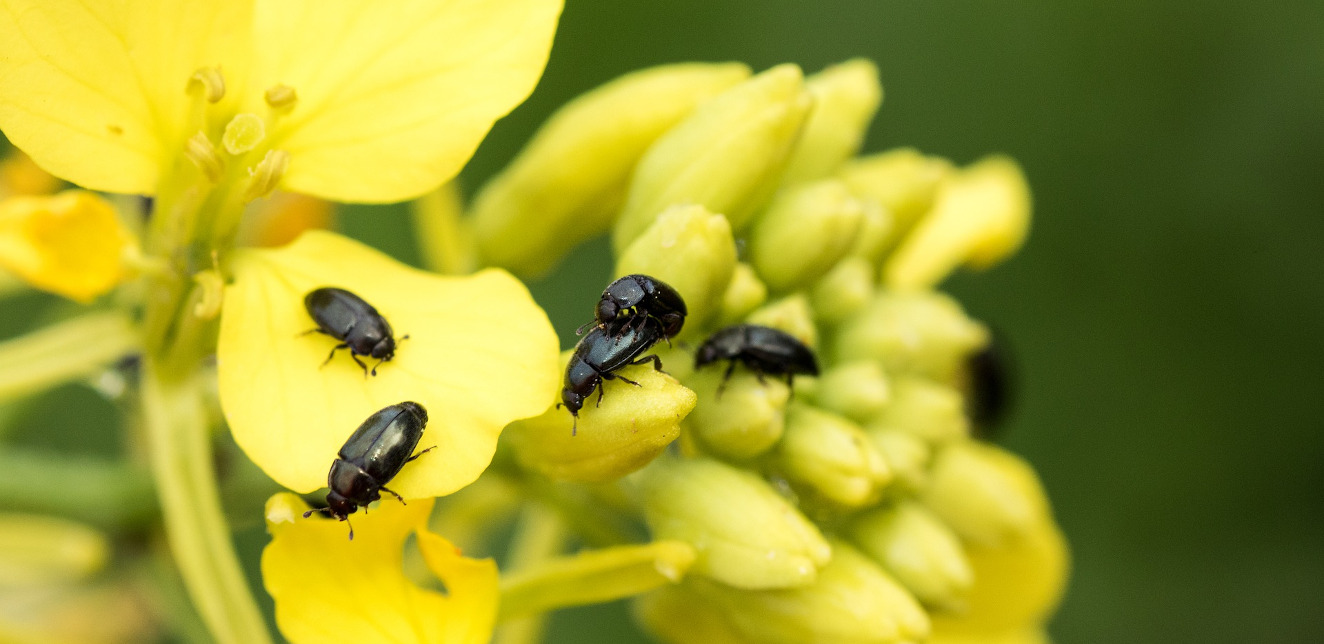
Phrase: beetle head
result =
(607, 310)
(339, 506)
(572, 401)
(384, 349)
(671, 324)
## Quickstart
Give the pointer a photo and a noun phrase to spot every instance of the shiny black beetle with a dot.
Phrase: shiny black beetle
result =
(372, 456)
(990, 386)
(764, 350)
(640, 299)
(359, 327)
(598, 356)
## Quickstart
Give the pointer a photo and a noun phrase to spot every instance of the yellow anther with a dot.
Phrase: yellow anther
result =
(200, 150)
(210, 81)
(243, 133)
(267, 175)
(281, 96)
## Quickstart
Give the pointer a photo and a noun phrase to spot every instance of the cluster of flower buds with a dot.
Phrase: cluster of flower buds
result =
(850, 507)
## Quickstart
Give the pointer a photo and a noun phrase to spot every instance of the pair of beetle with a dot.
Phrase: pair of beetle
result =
(636, 311)
(633, 313)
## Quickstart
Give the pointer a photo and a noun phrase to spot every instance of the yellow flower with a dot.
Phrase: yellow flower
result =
(330, 589)
(71, 244)
(353, 100)
(480, 354)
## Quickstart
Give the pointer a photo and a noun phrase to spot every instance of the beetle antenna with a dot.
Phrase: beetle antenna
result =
(351, 526)
(326, 510)
(574, 426)
(584, 327)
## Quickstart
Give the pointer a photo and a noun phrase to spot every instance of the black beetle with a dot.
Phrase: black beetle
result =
(359, 327)
(990, 383)
(597, 356)
(640, 299)
(372, 456)
(764, 350)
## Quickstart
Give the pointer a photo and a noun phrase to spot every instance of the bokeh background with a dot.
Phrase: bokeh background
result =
(1166, 315)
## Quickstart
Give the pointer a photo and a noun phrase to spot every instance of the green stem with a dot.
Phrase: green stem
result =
(105, 493)
(539, 535)
(62, 352)
(180, 453)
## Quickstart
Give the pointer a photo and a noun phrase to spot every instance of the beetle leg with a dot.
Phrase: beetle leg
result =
(657, 362)
(600, 389)
(416, 456)
(331, 355)
(730, 368)
(397, 496)
(360, 363)
(620, 377)
(317, 330)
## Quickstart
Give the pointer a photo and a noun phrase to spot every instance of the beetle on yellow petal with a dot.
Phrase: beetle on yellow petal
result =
(480, 354)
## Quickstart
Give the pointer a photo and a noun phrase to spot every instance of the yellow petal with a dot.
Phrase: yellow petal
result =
(95, 93)
(19, 175)
(393, 98)
(480, 355)
(331, 589)
(1033, 635)
(70, 244)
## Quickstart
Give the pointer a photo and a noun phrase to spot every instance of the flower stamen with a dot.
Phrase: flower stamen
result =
(200, 150)
(243, 133)
(210, 81)
(266, 175)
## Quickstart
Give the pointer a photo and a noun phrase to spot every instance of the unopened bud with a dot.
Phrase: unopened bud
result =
(847, 288)
(745, 420)
(907, 455)
(805, 231)
(691, 249)
(858, 390)
(903, 181)
(876, 228)
(569, 182)
(986, 494)
(790, 314)
(921, 333)
(745, 293)
(981, 215)
(846, 97)
(918, 549)
(746, 535)
(831, 457)
(853, 602)
(630, 428)
(1017, 584)
(931, 411)
(728, 155)
(38, 549)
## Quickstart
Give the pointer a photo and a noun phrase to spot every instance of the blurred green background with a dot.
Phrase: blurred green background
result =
(1166, 314)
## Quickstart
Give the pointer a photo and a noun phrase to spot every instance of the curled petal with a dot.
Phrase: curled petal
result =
(331, 589)
(480, 355)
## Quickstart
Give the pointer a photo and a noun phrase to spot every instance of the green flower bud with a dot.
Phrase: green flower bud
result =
(631, 427)
(744, 421)
(921, 333)
(728, 155)
(846, 97)
(853, 602)
(906, 453)
(569, 181)
(744, 294)
(805, 231)
(790, 314)
(981, 215)
(832, 457)
(987, 495)
(746, 535)
(918, 549)
(857, 390)
(42, 550)
(904, 181)
(933, 412)
(847, 288)
(691, 249)
(676, 616)
(876, 228)
(593, 576)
